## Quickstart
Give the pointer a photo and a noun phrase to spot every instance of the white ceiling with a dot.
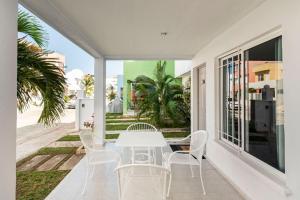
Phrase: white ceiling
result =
(131, 29)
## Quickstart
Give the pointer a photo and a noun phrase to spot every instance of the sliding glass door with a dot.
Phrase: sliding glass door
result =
(264, 110)
(251, 101)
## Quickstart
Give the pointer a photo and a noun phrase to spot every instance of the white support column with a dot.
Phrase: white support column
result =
(194, 99)
(8, 84)
(99, 98)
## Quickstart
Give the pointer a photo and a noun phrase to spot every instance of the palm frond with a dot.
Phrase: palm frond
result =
(30, 26)
(42, 75)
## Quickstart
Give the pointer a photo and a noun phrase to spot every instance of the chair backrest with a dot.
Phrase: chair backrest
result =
(145, 181)
(87, 139)
(102, 155)
(198, 142)
(140, 126)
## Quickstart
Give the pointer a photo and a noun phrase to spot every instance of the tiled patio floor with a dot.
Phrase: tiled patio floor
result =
(103, 185)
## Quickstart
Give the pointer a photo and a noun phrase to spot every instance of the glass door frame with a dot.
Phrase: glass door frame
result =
(219, 114)
(240, 145)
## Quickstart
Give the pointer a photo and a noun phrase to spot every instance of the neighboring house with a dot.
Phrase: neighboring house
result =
(74, 78)
(132, 69)
(183, 71)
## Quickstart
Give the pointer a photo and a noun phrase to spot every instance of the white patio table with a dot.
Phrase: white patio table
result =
(142, 139)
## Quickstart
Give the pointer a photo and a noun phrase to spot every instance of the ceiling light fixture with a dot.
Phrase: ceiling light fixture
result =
(164, 34)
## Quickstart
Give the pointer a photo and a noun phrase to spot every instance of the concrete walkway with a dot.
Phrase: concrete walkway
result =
(31, 139)
(32, 136)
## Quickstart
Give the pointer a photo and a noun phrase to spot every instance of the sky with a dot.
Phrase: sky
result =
(76, 58)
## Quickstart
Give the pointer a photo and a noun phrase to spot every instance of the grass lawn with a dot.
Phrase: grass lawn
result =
(111, 136)
(113, 127)
(49, 151)
(175, 134)
(56, 150)
(116, 127)
(113, 114)
(166, 135)
(77, 138)
(37, 185)
(125, 120)
(69, 138)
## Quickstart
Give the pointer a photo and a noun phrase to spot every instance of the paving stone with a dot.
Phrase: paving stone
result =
(71, 162)
(30, 164)
(52, 162)
(65, 144)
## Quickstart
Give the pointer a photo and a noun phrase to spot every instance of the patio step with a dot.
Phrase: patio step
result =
(65, 144)
(30, 164)
(71, 162)
(52, 162)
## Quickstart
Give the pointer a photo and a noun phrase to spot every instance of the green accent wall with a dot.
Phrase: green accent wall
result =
(132, 69)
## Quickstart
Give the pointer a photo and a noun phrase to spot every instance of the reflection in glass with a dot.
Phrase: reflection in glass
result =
(264, 110)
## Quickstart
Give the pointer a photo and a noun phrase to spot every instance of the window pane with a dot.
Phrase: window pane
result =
(230, 100)
(224, 104)
(264, 119)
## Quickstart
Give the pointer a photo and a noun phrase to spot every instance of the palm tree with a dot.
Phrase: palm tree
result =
(88, 84)
(38, 74)
(110, 93)
(158, 99)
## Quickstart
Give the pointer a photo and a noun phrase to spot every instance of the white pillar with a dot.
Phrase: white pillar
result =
(8, 84)
(194, 99)
(99, 99)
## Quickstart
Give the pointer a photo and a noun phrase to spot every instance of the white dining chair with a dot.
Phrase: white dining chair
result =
(142, 182)
(141, 154)
(141, 126)
(95, 156)
(191, 157)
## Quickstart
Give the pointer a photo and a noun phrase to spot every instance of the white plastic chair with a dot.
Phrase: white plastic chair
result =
(142, 182)
(95, 156)
(190, 157)
(137, 152)
(141, 126)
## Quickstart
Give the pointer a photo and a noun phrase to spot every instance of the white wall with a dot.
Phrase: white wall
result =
(8, 66)
(84, 112)
(269, 15)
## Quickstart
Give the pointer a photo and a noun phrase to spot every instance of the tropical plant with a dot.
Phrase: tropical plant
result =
(88, 84)
(38, 74)
(111, 94)
(159, 98)
(185, 105)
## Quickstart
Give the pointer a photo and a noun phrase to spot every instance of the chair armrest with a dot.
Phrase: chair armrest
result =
(182, 151)
(181, 140)
(173, 154)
